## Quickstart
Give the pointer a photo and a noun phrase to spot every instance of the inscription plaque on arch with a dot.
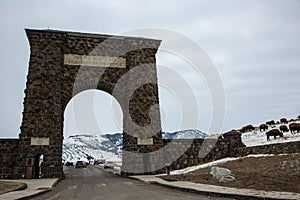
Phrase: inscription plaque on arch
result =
(94, 61)
(145, 141)
(39, 141)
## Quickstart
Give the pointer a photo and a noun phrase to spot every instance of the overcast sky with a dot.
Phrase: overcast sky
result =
(254, 44)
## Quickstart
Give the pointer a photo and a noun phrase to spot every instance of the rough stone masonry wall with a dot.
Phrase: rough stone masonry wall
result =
(8, 154)
(279, 148)
(200, 151)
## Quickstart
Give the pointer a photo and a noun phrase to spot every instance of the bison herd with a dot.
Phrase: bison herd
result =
(293, 128)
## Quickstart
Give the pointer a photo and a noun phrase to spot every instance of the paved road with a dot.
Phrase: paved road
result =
(93, 183)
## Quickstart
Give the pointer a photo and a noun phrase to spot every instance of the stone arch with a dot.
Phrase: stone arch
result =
(69, 93)
(63, 64)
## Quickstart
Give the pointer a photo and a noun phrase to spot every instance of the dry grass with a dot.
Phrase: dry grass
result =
(276, 173)
(6, 186)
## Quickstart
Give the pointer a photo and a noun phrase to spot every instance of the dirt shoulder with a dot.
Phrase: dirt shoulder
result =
(6, 186)
(275, 173)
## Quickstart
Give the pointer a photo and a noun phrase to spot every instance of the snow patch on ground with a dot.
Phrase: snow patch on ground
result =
(217, 162)
(190, 169)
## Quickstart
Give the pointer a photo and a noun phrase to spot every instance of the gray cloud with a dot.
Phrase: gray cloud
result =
(254, 44)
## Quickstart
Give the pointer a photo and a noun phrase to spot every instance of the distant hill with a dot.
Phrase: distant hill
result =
(186, 134)
(108, 147)
(80, 147)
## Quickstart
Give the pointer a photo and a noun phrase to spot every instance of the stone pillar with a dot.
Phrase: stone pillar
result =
(43, 113)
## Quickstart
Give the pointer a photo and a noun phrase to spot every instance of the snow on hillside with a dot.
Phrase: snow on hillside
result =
(108, 147)
(186, 134)
(81, 147)
(256, 137)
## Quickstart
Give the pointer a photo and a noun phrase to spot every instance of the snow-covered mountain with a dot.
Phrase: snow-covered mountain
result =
(108, 147)
(186, 134)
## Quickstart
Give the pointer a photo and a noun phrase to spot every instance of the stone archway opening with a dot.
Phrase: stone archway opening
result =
(34, 165)
(93, 119)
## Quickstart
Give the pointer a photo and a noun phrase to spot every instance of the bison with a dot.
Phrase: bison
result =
(242, 130)
(294, 127)
(283, 121)
(270, 123)
(263, 127)
(283, 128)
(274, 132)
(249, 128)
